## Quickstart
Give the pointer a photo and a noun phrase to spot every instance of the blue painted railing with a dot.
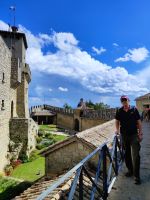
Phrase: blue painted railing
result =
(109, 163)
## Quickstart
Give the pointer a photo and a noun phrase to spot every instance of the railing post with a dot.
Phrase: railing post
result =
(105, 188)
(116, 156)
(81, 185)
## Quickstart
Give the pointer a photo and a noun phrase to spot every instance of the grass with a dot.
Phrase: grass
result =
(10, 188)
(58, 138)
(6, 183)
(30, 171)
(50, 127)
(47, 136)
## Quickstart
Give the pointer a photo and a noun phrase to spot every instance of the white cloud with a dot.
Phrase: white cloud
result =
(63, 89)
(35, 100)
(144, 75)
(64, 41)
(72, 62)
(50, 101)
(98, 51)
(115, 44)
(4, 26)
(39, 90)
(50, 89)
(136, 55)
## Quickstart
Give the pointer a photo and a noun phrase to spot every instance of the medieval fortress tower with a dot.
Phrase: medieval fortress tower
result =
(17, 130)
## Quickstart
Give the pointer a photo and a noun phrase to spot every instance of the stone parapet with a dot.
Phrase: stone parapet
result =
(106, 114)
(59, 110)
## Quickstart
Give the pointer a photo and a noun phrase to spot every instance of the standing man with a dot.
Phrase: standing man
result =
(128, 124)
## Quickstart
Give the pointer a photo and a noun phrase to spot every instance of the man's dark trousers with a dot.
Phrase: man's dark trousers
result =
(132, 153)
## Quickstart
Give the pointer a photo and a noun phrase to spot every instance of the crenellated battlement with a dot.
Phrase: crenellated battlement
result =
(105, 114)
(74, 119)
(51, 108)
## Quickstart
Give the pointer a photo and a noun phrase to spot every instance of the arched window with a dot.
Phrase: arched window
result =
(3, 78)
(12, 109)
(3, 105)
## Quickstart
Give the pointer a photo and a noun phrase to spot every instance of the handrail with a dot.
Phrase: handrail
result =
(78, 170)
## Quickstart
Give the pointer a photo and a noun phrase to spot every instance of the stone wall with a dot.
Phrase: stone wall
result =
(23, 132)
(65, 121)
(66, 157)
(105, 114)
(140, 104)
(77, 119)
(14, 78)
(22, 96)
(89, 123)
(5, 63)
(15, 72)
(32, 133)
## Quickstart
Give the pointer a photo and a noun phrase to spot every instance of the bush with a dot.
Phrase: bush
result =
(8, 169)
(50, 136)
(39, 139)
(24, 158)
(40, 146)
(41, 133)
(33, 156)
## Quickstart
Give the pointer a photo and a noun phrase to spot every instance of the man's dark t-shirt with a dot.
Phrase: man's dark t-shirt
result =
(128, 120)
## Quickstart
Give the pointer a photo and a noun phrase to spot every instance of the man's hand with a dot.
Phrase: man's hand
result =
(140, 136)
(117, 133)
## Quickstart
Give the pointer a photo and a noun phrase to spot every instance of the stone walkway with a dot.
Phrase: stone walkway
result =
(124, 188)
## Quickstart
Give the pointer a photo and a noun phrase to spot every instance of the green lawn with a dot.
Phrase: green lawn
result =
(58, 138)
(10, 188)
(30, 171)
(6, 183)
(50, 127)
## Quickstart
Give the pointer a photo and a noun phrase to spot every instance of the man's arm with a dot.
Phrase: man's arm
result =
(139, 126)
(117, 124)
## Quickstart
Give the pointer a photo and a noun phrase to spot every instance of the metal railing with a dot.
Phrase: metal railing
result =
(110, 160)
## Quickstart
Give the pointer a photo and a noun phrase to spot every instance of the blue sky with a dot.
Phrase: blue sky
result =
(96, 50)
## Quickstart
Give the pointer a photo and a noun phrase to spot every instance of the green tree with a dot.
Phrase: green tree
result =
(90, 104)
(97, 106)
(101, 105)
(66, 106)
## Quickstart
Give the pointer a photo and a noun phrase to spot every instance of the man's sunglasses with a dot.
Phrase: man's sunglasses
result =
(124, 99)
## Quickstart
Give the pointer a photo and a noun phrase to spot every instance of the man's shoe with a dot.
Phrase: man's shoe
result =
(137, 181)
(129, 174)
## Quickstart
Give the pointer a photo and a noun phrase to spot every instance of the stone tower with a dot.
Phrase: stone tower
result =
(16, 128)
(20, 71)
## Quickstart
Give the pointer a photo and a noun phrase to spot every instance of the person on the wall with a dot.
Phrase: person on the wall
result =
(128, 124)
